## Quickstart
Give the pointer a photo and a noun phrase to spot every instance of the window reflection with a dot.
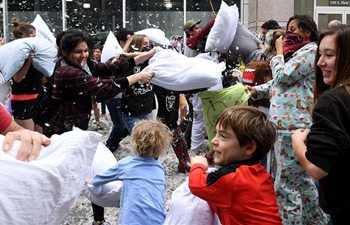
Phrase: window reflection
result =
(98, 17)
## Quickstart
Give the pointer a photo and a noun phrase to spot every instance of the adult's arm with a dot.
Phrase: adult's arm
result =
(21, 74)
(299, 66)
(193, 41)
(299, 147)
(30, 141)
(329, 134)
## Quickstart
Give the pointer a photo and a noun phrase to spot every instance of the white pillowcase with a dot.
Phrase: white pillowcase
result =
(42, 30)
(186, 208)
(174, 71)
(155, 35)
(111, 48)
(14, 53)
(223, 31)
(45, 190)
(109, 194)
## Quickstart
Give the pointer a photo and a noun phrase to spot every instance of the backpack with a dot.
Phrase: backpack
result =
(45, 107)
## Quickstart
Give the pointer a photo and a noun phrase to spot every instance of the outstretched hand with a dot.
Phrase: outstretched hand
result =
(30, 146)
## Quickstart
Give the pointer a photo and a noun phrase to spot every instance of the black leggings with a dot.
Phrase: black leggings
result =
(98, 212)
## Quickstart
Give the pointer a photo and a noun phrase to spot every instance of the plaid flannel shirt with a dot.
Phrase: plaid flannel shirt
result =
(75, 91)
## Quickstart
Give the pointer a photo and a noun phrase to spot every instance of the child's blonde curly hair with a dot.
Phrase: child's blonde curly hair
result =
(150, 138)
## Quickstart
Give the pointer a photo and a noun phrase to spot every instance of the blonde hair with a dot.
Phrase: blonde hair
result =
(135, 43)
(150, 138)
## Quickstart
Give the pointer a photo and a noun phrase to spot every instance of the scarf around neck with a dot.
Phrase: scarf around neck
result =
(292, 43)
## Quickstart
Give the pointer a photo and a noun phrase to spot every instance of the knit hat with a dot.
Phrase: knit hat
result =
(190, 23)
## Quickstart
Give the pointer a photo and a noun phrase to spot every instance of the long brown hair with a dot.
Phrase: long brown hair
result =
(22, 29)
(342, 62)
(135, 44)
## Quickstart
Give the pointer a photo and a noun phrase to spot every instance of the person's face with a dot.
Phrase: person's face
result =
(145, 41)
(97, 54)
(78, 56)
(328, 55)
(293, 27)
(263, 32)
(226, 147)
(195, 30)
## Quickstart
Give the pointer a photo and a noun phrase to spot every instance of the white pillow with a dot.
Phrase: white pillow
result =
(186, 208)
(223, 31)
(110, 194)
(174, 71)
(42, 30)
(45, 190)
(111, 48)
(14, 53)
(155, 35)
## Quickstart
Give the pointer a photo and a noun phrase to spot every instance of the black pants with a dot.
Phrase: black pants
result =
(98, 212)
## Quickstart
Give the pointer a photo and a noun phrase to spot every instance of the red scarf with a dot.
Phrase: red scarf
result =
(292, 43)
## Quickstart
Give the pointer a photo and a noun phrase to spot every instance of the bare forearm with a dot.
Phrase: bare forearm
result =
(313, 170)
(21, 74)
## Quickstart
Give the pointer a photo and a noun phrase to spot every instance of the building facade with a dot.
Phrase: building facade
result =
(98, 17)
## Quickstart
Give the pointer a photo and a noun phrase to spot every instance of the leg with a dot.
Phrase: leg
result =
(197, 132)
(103, 108)
(297, 196)
(180, 148)
(98, 212)
(119, 130)
(97, 115)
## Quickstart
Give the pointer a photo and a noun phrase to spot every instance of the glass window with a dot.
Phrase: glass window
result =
(305, 7)
(96, 17)
(324, 19)
(25, 11)
(165, 15)
(322, 2)
(347, 18)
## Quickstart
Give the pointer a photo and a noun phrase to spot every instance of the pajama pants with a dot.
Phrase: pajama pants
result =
(297, 195)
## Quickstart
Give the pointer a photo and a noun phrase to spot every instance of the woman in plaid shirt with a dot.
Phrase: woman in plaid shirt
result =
(78, 81)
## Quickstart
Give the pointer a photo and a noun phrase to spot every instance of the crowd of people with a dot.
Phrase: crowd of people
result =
(280, 160)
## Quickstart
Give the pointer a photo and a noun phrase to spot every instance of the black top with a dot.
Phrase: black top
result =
(138, 98)
(31, 84)
(328, 147)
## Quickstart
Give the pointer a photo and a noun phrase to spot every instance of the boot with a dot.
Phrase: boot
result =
(180, 148)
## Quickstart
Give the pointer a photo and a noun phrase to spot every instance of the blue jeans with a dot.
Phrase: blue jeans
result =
(119, 130)
(131, 120)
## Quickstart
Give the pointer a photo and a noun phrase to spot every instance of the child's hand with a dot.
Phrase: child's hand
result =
(252, 90)
(88, 181)
(200, 160)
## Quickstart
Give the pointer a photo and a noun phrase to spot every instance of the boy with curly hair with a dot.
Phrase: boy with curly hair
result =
(142, 194)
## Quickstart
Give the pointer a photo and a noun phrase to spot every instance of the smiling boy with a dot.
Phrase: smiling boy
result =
(240, 191)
